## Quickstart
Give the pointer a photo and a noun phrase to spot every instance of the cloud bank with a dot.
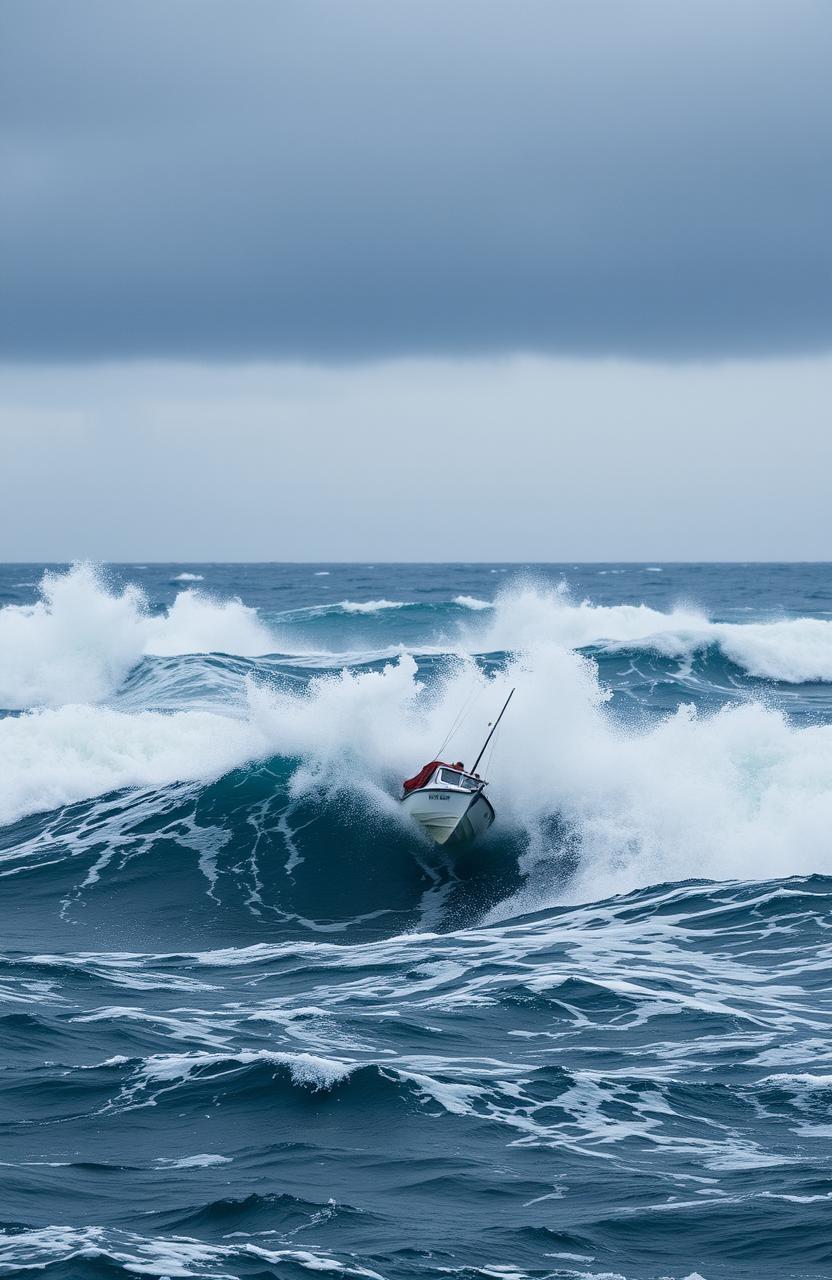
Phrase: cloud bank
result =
(309, 180)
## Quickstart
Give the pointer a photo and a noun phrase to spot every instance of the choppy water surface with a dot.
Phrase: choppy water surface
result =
(252, 1025)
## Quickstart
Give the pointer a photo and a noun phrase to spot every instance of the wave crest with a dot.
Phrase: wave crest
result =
(80, 640)
(789, 650)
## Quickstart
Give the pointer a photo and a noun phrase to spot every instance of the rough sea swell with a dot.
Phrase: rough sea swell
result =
(252, 1025)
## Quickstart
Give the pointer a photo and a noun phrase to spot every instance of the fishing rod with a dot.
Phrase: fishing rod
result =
(493, 729)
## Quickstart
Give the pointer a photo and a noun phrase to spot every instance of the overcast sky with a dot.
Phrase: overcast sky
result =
(276, 256)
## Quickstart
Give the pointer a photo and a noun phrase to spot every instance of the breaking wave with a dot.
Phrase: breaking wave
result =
(253, 1023)
(78, 643)
(735, 793)
(792, 650)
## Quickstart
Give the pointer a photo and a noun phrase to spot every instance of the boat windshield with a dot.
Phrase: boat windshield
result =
(450, 778)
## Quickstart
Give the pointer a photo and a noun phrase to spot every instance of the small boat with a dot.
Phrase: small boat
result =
(449, 801)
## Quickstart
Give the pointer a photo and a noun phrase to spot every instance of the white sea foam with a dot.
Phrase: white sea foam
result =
(802, 1083)
(205, 1161)
(78, 642)
(472, 602)
(197, 624)
(528, 615)
(735, 795)
(454, 1097)
(370, 606)
(55, 757)
(305, 1069)
(738, 794)
(165, 1257)
(793, 650)
(189, 577)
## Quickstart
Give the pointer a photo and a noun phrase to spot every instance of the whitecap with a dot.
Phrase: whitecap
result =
(790, 650)
(472, 602)
(192, 1162)
(79, 641)
(306, 1070)
(371, 606)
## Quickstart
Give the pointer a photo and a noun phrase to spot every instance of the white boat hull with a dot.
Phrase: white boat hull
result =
(447, 814)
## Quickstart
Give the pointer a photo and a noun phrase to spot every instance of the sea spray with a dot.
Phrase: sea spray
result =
(79, 641)
(251, 1020)
(738, 793)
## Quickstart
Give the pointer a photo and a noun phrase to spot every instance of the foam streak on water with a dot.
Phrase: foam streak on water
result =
(253, 1025)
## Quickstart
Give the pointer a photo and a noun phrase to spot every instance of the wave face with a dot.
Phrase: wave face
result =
(253, 1025)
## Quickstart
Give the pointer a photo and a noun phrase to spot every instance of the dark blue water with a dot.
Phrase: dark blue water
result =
(253, 1025)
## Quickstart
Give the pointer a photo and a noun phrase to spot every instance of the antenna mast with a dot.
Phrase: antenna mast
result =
(493, 729)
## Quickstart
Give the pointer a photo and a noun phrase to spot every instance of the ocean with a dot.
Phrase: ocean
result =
(252, 1024)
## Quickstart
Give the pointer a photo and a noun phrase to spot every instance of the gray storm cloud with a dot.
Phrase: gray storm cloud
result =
(350, 180)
